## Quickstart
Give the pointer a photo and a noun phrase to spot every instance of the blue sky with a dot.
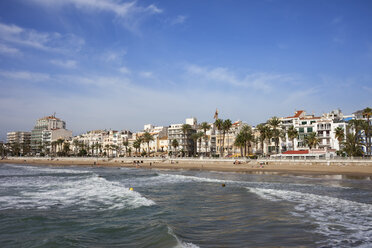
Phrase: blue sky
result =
(121, 64)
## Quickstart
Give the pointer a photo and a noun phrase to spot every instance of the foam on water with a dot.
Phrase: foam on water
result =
(91, 192)
(344, 223)
(180, 243)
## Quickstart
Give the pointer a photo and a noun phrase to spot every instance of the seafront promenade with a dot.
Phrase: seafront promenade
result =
(344, 166)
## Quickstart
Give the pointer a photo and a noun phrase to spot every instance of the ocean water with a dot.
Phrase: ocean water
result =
(71, 206)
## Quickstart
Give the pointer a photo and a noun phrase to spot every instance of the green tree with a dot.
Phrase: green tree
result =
(240, 142)
(218, 123)
(225, 129)
(340, 135)
(147, 137)
(274, 122)
(311, 140)
(137, 144)
(185, 129)
(367, 113)
(195, 137)
(205, 126)
(352, 146)
(126, 144)
(292, 135)
(175, 145)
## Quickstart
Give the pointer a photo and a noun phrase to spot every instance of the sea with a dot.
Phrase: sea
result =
(75, 206)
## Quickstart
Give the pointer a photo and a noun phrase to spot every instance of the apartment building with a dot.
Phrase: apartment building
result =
(183, 137)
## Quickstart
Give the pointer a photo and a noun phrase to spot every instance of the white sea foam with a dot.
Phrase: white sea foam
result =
(180, 243)
(345, 223)
(91, 192)
(30, 169)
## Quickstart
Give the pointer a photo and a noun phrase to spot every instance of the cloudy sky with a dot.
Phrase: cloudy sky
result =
(121, 64)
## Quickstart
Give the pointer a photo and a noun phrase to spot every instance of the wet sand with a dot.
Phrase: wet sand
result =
(333, 168)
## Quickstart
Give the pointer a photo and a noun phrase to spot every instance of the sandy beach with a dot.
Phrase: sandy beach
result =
(283, 167)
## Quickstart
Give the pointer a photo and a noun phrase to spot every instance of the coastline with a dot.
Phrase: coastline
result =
(358, 169)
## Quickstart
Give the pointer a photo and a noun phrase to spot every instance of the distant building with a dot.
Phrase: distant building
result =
(184, 140)
(19, 141)
(41, 135)
(18, 137)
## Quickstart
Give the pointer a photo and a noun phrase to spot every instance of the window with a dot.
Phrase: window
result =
(309, 129)
(304, 122)
(301, 129)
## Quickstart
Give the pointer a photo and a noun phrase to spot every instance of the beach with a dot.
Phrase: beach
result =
(345, 167)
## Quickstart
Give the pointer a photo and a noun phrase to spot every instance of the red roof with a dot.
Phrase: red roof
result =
(297, 114)
(296, 152)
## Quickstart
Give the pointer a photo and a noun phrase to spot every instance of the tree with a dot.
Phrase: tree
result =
(292, 135)
(126, 144)
(311, 140)
(137, 144)
(240, 142)
(225, 129)
(262, 130)
(147, 137)
(175, 144)
(274, 122)
(352, 146)
(195, 137)
(367, 113)
(340, 135)
(218, 123)
(185, 129)
(205, 126)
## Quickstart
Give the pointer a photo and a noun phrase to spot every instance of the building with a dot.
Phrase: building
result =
(18, 137)
(185, 144)
(44, 124)
(19, 142)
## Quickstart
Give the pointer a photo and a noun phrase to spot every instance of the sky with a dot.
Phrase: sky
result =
(117, 64)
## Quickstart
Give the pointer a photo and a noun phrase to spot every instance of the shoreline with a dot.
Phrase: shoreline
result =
(360, 169)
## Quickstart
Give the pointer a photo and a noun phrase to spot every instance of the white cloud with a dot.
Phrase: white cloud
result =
(55, 42)
(69, 64)
(25, 75)
(179, 20)
(259, 81)
(146, 74)
(112, 56)
(4, 49)
(124, 70)
(119, 8)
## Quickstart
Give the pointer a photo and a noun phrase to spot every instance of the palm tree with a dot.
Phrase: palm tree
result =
(205, 126)
(340, 135)
(126, 144)
(367, 113)
(225, 129)
(240, 142)
(197, 136)
(352, 146)
(137, 144)
(147, 137)
(175, 144)
(311, 140)
(185, 129)
(292, 134)
(218, 123)
(107, 150)
(274, 122)
(262, 130)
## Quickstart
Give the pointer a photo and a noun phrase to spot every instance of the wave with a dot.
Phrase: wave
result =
(344, 223)
(180, 243)
(88, 193)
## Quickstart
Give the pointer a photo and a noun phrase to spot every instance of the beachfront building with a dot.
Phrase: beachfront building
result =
(182, 137)
(358, 115)
(207, 144)
(49, 137)
(160, 143)
(19, 142)
(324, 126)
(44, 124)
